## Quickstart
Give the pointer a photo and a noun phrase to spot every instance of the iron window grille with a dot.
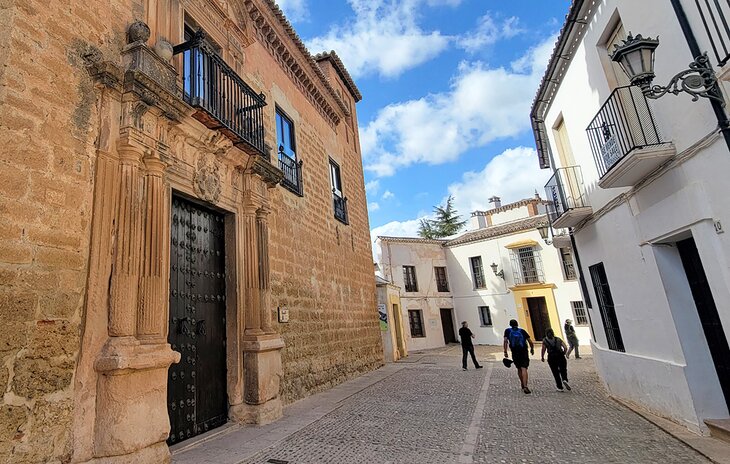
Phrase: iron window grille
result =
(230, 104)
(288, 163)
(566, 257)
(485, 316)
(409, 278)
(416, 322)
(442, 284)
(606, 307)
(526, 266)
(624, 123)
(477, 272)
(339, 201)
(579, 313)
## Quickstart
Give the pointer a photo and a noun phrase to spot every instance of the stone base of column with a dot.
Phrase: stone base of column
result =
(262, 373)
(159, 453)
(131, 407)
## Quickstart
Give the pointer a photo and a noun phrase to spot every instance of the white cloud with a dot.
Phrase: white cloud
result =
(387, 195)
(483, 104)
(372, 187)
(488, 32)
(373, 206)
(295, 10)
(384, 37)
(512, 175)
(397, 229)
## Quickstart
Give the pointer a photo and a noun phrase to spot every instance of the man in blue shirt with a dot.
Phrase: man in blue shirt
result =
(518, 339)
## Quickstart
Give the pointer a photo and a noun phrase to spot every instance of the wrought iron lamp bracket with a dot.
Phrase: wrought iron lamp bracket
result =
(698, 81)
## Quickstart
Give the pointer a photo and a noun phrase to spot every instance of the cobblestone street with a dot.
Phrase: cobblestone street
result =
(427, 410)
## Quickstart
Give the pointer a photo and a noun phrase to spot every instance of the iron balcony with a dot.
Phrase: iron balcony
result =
(567, 196)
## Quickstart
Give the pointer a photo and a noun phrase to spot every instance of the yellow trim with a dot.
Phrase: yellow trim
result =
(523, 292)
(522, 243)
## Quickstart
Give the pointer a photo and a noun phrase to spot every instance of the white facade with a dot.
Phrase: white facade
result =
(633, 230)
(505, 298)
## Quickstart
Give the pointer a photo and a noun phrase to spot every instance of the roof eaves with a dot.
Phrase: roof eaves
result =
(341, 71)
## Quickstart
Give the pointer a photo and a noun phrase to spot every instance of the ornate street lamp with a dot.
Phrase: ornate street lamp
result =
(494, 267)
(544, 230)
(636, 57)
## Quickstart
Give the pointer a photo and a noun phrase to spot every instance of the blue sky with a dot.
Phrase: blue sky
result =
(447, 87)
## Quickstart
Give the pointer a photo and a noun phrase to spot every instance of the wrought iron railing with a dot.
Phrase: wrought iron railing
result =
(565, 191)
(715, 15)
(624, 123)
(340, 206)
(526, 266)
(211, 85)
(292, 172)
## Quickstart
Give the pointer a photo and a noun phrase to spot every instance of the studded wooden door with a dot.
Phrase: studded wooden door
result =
(196, 393)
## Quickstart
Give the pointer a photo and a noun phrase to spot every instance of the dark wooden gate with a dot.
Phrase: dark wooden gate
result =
(447, 323)
(709, 317)
(539, 317)
(196, 392)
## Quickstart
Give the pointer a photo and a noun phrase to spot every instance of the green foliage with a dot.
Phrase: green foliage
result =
(446, 223)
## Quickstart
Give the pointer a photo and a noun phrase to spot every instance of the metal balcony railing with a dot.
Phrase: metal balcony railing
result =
(340, 206)
(212, 86)
(565, 191)
(526, 266)
(715, 17)
(292, 172)
(624, 123)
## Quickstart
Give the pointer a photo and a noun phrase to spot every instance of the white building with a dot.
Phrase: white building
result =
(502, 270)
(643, 185)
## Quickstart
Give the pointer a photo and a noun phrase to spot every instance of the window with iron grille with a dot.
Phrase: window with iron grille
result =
(579, 313)
(409, 278)
(415, 319)
(485, 316)
(566, 257)
(477, 272)
(442, 284)
(606, 307)
(287, 154)
(526, 266)
(339, 201)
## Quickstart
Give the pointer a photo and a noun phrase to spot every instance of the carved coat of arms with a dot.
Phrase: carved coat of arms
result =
(207, 179)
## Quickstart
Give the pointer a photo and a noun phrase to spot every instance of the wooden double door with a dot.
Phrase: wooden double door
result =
(197, 399)
(539, 317)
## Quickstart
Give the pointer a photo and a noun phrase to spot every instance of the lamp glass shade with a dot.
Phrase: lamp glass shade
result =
(636, 58)
(494, 267)
(543, 232)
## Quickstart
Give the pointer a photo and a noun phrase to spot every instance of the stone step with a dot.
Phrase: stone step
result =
(719, 428)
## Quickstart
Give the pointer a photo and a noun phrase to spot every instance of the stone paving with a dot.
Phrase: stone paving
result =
(427, 410)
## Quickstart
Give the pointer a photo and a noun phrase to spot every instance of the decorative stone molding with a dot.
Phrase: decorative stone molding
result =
(207, 178)
(270, 174)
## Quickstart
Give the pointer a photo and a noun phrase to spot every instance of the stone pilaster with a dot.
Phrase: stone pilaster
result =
(262, 232)
(125, 274)
(152, 317)
(250, 255)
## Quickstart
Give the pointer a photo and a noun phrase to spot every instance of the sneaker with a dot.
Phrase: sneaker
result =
(463, 368)
(480, 367)
(577, 357)
(560, 390)
(566, 385)
(526, 390)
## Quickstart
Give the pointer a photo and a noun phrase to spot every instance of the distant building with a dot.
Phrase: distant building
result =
(641, 184)
(391, 320)
(499, 271)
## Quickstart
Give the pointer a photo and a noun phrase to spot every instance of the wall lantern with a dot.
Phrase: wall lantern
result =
(636, 58)
(494, 267)
(544, 230)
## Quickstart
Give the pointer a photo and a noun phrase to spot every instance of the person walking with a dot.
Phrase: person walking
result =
(518, 339)
(556, 350)
(572, 339)
(467, 347)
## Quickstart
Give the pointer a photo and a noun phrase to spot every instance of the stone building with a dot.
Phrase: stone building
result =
(163, 269)
(499, 270)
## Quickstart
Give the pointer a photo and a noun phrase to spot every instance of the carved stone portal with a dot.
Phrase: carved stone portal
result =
(207, 178)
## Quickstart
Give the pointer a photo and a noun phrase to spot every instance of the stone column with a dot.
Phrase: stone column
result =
(262, 231)
(252, 305)
(152, 316)
(125, 274)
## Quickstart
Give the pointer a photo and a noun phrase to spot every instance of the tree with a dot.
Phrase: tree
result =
(446, 223)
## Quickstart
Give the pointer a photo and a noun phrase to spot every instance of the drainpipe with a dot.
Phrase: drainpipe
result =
(694, 47)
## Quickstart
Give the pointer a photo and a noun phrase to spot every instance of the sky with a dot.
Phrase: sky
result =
(447, 88)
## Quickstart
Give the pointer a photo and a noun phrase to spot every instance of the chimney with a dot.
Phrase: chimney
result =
(496, 200)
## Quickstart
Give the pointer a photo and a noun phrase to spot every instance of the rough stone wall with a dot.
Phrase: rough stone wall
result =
(47, 130)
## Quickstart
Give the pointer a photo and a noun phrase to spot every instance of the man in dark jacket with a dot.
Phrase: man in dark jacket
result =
(466, 345)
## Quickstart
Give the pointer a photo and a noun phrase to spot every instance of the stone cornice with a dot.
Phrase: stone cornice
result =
(342, 71)
(277, 35)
